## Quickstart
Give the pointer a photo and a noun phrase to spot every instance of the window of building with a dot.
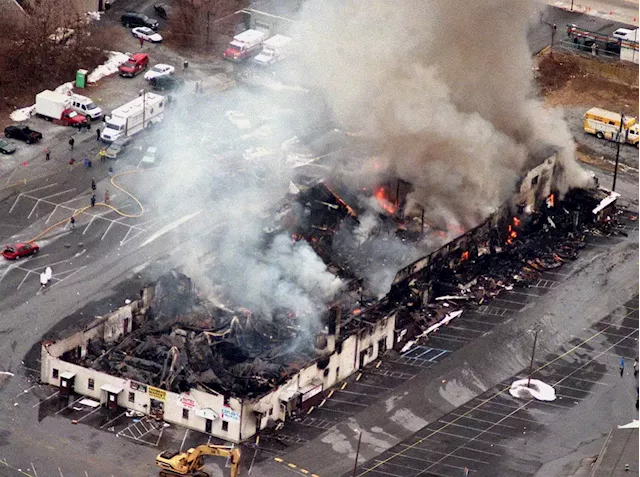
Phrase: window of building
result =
(185, 413)
(91, 383)
(337, 373)
(534, 181)
(225, 426)
(55, 373)
(132, 397)
(326, 372)
(271, 412)
(227, 400)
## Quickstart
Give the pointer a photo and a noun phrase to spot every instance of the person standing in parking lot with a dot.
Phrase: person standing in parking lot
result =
(141, 42)
(47, 154)
(71, 143)
(98, 134)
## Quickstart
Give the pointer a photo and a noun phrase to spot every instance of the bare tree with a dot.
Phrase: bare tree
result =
(199, 23)
(44, 48)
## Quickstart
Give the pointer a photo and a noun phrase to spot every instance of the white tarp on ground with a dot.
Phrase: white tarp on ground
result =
(538, 390)
(109, 67)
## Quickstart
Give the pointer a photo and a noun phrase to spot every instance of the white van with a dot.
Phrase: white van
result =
(625, 34)
(273, 50)
(85, 106)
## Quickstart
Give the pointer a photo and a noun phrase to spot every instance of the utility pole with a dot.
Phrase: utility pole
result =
(533, 353)
(208, 21)
(144, 105)
(355, 464)
(615, 170)
(571, 5)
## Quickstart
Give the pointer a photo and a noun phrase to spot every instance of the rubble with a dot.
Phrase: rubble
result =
(181, 341)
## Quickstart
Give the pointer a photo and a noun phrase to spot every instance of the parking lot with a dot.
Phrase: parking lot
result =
(497, 434)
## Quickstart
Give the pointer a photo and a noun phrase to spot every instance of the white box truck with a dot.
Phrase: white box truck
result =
(273, 50)
(57, 107)
(133, 117)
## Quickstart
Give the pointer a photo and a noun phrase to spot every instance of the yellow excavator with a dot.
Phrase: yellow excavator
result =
(191, 463)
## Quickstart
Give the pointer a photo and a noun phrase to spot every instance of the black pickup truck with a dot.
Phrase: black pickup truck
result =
(25, 134)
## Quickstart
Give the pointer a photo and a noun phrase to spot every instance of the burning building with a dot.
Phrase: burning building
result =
(230, 372)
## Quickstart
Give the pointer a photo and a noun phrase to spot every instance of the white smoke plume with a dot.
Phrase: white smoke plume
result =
(445, 89)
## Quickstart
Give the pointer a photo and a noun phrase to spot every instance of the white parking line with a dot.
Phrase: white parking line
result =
(87, 415)
(89, 224)
(46, 399)
(34, 470)
(29, 191)
(70, 405)
(107, 231)
(48, 197)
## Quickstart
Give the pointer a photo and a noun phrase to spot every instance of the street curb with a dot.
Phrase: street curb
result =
(598, 458)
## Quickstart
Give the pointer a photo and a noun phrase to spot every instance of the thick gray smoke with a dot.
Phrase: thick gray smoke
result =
(445, 88)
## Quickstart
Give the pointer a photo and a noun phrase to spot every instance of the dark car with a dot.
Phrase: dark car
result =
(17, 250)
(25, 134)
(7, 147)
(166, 83)
(135, 19)
(162, 10)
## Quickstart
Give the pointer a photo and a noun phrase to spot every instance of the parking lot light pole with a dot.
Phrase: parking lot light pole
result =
(533, 353)
(355, 464)
(615, 170)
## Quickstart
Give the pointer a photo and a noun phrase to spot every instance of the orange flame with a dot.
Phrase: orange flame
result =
(516, 222)
(357, 311)
(551, 201)
(465, 255)
(383, 199)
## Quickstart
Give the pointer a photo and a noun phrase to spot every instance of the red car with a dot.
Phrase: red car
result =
(134, 65)
(17, 250)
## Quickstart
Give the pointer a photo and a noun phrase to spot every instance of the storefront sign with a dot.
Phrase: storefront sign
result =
(186, 401)
(228, 414)
(207, 414)
(138, 387)
(312, 392)
(157, 393)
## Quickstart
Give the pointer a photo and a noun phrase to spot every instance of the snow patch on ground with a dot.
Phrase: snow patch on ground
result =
(22, 114)
(94, 15)
(407, 419)
(65, 88)
(538, 390)
(109, 67)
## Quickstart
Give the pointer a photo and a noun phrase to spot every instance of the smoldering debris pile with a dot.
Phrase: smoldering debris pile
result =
(182, 342)
(514, 254)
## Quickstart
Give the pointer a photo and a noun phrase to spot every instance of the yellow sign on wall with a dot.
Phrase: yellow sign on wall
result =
(157, 393)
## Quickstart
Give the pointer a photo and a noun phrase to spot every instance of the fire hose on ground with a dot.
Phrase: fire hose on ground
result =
(101, 204)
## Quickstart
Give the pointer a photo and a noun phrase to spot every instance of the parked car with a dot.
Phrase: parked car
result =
(18, 250)
(117, 147)
(7, 147)
(134, 65)
(162, 10)
(147, 34)
(166, 83)
(159, 70)
(23, 133)
(238, 119)
(136, 19)
(150, 157)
